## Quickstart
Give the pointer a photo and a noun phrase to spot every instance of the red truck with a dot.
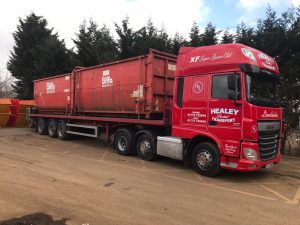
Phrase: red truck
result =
(215, 107)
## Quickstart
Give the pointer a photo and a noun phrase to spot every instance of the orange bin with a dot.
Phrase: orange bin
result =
(4, 111)
(23, 106)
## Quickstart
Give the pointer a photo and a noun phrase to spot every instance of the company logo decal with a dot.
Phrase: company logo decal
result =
(171, 67)
(267, 62)
(271, 114)
(254, 129)
(248, 53)
(50, 87)
(107, 81)
(224, 115)
(230, 149)
(198, 87)
(268, 59)
(213, 57)
(224, 111)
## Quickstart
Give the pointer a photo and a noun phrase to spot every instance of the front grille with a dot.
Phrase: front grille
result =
(268, 142)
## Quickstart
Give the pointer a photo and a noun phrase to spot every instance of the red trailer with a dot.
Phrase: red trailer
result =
(53, 94)
(215, 106)
(136, 88)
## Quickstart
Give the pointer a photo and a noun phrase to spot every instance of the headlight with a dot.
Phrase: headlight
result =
(250, 154)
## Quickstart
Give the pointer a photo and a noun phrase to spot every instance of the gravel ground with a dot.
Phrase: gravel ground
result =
(45, 181)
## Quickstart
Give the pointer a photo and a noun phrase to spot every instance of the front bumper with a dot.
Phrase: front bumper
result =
(243, 164)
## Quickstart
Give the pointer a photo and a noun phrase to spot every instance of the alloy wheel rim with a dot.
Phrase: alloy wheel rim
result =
(145, 146)
(122, 143)
(204, 159)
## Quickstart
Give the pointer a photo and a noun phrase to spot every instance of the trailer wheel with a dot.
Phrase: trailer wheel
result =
(206, 159)
(123, 142)
(41, 126)
(146, 147)
(52, 129)
(31, 122)
(62, 130)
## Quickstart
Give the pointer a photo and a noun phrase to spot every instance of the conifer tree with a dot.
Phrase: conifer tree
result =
(37, 53)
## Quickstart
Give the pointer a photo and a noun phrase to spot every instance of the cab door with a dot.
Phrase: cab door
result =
(224, 114)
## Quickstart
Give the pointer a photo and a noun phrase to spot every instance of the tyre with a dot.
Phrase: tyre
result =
(146, 147)
(31, 122)
(123, 142)
(62, 130)
(52, 129)
(206, 159)
(41, 126)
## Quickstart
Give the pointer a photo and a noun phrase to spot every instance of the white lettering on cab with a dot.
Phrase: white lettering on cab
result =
(271, 114)
(224, 111)
(210, 58)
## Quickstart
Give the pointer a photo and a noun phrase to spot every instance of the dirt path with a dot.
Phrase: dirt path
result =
(84, 181)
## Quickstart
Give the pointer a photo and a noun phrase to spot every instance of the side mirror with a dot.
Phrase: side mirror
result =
(235, 97)
(232, 96)
(232, 82)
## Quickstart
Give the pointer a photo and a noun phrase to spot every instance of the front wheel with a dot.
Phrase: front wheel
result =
(146, 147)
(206, 159)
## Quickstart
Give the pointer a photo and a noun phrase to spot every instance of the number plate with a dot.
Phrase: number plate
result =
(268, 166)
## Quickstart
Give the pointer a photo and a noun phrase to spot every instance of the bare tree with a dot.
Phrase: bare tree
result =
(6, 82)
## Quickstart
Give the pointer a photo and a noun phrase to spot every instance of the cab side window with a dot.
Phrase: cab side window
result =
(220, 87)
(180, 92)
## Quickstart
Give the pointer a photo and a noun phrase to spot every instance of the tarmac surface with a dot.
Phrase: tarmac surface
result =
(46, 181)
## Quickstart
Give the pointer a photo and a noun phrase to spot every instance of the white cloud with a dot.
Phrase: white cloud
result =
(65, 16)
(296, 3)
(251, 8)
(250, 5)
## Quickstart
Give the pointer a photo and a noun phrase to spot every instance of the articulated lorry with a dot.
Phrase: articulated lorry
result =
(215, 107)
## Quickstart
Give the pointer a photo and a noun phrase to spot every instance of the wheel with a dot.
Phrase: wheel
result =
(206, 159)
(52, 129)
(146, 147)
(62, 130)
(31, 122)
(123, 142)
(41, 126)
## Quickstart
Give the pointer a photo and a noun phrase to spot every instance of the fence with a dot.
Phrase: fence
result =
(292, 143)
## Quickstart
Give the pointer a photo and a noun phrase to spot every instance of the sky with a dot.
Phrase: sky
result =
(65, 16)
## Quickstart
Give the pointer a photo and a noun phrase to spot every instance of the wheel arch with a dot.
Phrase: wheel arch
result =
(198, 139)
(52, 119)
(140, 132)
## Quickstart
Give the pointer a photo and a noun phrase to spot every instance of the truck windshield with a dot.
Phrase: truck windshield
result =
(262, 90)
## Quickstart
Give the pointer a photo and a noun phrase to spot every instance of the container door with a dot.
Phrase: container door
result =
(225, 116)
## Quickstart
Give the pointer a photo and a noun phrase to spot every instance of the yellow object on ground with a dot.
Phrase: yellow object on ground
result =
(13, 112)
(24, 105)
(4, 111)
